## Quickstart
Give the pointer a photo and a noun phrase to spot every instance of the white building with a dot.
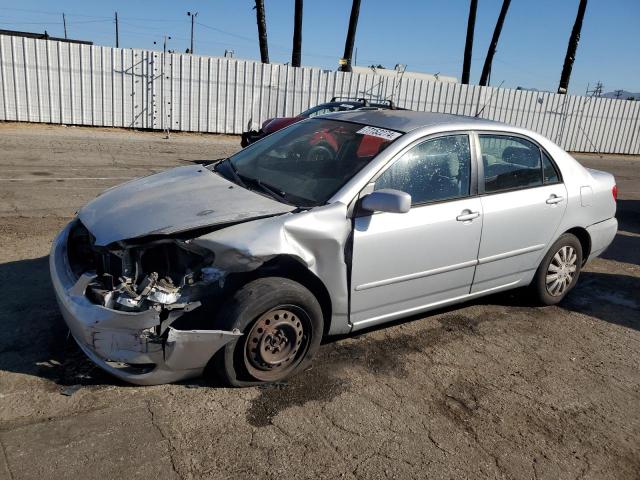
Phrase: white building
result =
(400, 70)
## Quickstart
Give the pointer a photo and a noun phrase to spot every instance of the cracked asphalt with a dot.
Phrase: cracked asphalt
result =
(496, 388)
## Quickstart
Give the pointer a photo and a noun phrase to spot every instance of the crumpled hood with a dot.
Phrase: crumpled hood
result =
(174, 201)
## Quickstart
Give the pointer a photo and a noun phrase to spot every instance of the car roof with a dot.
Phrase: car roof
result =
(408, 120)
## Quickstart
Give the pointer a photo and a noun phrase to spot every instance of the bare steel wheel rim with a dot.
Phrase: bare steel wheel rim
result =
(561, 271)
(277, 342)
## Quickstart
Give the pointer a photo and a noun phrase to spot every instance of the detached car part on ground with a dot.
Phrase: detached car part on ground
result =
(337, 104)
(326, 227)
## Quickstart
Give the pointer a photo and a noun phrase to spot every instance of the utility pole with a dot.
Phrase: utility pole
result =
(193, 19)
(486, 69)
(296, 54)
(468, 46)
(618, 93)
(597, 89)
(571, 48)
(117, 34)
(64, 22)
(345, 64)
(262, 31)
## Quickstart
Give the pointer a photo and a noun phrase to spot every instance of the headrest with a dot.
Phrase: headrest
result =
(521, 156)
(445, 164)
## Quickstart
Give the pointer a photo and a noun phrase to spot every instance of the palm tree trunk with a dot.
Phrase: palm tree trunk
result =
(486, 69)
(571, 49)
(262, 31)
(296, 54)
(351, 36)
(468, 46)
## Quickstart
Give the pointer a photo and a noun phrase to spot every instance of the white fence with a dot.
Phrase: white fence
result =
(57, 82)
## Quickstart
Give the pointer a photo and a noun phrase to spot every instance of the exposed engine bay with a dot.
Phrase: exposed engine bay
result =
(162, 274)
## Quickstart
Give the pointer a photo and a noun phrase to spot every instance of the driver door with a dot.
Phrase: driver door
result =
(404, 263)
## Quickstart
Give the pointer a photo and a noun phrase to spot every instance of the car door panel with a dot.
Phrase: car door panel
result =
(518, 227)
(518, 224)
(404, 262)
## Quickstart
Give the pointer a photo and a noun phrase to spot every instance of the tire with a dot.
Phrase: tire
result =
(282, 327)
(559, 270)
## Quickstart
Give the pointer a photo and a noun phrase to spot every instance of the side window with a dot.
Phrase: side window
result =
(549, 171)
(435, 170)
(509, 163)
(324, 111)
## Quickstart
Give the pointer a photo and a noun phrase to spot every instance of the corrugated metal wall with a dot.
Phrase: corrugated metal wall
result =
(55, 82)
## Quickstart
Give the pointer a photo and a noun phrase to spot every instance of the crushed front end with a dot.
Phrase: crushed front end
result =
(122, 303)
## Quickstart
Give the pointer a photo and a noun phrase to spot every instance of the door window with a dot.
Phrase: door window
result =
(509, 163)
(549, 171)
(435, 170)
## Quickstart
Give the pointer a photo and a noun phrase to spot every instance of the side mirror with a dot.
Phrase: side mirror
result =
(387, 200)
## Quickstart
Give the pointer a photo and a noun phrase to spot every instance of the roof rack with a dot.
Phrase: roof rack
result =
(366, 102)
(363, 100)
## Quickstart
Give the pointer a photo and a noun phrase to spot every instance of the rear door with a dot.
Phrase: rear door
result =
(523, 201)
(407, 262)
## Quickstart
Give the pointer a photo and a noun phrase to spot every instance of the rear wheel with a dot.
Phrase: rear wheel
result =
(559, 270)
(282, 325)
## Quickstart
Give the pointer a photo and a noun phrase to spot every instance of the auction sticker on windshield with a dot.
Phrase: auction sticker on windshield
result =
(379, 132)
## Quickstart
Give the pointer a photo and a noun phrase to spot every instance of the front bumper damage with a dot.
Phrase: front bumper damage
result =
(139, 347)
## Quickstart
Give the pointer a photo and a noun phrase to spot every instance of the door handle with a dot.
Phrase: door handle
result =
(553, 199)
(467, 215)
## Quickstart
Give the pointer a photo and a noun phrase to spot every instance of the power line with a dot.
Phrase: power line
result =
(47, 22)
(226, 33)
(44, 12)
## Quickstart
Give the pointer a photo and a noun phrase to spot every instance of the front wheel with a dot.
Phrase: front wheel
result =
(559, 270)
(282, 328)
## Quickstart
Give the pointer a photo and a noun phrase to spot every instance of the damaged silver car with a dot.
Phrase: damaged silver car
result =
(328, 226)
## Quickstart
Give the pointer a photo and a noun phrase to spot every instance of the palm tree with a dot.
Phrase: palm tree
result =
(468, 46)
(351, 36)
(571, 48)
(262, 31)
(486, 69)
(296, 54)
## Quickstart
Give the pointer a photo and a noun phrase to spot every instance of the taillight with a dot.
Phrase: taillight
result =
(614, 191)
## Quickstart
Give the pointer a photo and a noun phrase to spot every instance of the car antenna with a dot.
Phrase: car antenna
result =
(487, 102)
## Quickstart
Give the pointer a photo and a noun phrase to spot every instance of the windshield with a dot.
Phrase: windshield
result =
(307, 163)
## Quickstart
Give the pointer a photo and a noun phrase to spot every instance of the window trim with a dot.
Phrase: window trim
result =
(555, 168)
(480, 163)
(473, 177)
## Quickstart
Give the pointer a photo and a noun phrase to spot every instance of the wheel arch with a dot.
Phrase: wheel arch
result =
(288, 266)
(585, 241)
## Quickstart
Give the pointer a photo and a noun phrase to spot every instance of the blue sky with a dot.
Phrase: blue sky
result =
(426, 35)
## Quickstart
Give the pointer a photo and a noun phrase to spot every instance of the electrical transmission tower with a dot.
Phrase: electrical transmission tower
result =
(596, 91)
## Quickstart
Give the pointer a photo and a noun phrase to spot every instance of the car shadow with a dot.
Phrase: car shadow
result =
(610, 297)
(628, 215)
(35, 339)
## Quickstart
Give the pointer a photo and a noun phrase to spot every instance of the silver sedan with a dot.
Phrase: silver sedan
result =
(326, 227)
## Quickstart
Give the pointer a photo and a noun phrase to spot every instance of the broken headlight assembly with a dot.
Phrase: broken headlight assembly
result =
(160, 273)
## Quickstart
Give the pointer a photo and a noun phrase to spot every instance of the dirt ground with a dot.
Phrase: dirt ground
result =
(496, 388)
